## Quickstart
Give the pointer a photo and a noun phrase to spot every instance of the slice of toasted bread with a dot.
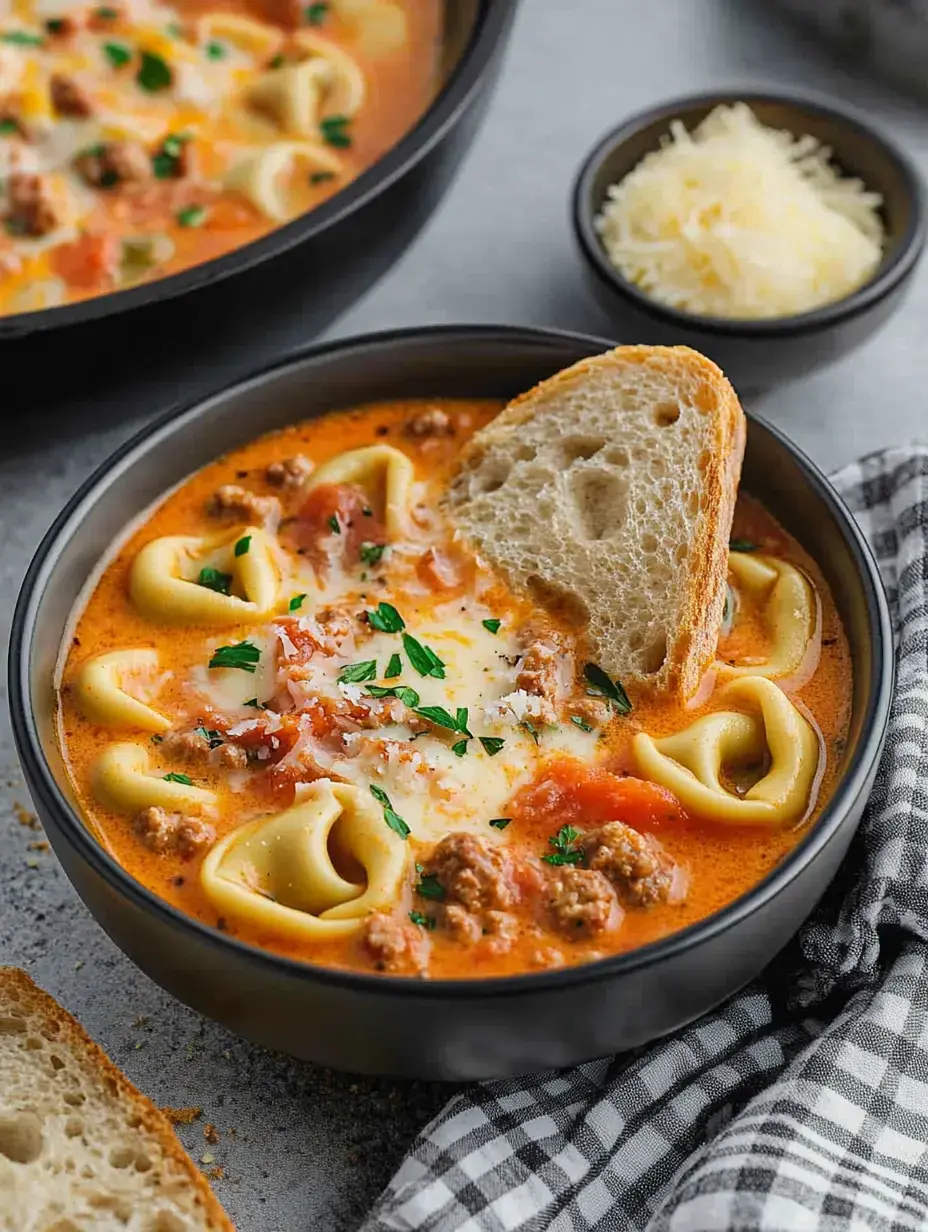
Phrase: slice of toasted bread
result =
(80, 1147)
(608, 492)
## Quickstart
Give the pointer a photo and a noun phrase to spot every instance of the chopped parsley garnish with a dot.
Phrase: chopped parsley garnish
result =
(321, 177)
(492, 625)
(565, 849)
(157, 739)
(154, 73)
(601, 685)
(394, 667)
(276, 61)
(315, 14)
(296, 603)
(424, 921)
(581, 723)
(354, 673)
(179, 778)
(367, 511)
(253, 702)
(192, 216)
(212, 738)
(117, 53)
(460, 748)
(215, 51)
(491, 744)
(500, 823)
(741, 545)
(165, 163)
(334, 525)
(423, 658)
(333, 130)
(243, 655)
(106, 13)
(428, 886)
(22, 38)
(241, 548)
(175, 29)
(386, 619)
(55, 25)
(8, 127)
(409, 697)
(213, 579)
(531, 729)
(390, 816)
(443, 718)
(371, 553)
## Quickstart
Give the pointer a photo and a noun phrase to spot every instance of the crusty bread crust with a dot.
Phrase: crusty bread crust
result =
(21, 995)
(685, 379)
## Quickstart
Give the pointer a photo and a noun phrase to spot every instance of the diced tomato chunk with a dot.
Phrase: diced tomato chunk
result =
(336, 516)
(440, 572)
(89, 263)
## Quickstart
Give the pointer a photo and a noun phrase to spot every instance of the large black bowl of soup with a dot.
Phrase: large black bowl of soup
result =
(314, 767)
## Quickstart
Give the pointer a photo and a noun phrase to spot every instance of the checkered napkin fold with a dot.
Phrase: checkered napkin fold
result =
(800, 1104)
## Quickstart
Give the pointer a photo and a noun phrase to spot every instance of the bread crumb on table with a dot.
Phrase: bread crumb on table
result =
(24, 817)
(182, 1116)
(210, 1133)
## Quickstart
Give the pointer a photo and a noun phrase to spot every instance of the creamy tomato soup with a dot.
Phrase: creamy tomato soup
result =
(299, 708)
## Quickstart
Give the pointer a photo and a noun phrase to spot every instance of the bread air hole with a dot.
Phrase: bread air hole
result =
(21, 1137)
(666, 414)
(554, 598)
(655, 654)
(578, 448)
(492, 475)
(599, 499)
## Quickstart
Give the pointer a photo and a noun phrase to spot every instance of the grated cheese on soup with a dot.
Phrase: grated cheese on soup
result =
(739, 220)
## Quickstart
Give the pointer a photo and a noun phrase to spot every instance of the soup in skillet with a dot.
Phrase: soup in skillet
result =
(140, 138)
(297, 707)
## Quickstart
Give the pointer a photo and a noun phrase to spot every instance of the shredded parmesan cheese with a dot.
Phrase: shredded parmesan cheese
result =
(739, 220)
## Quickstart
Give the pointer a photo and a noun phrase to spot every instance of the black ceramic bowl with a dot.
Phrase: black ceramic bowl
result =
(757, 354)
(439, 1028)
(350, 240)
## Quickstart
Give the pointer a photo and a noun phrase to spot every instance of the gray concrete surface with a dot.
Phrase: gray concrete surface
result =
(301, 1149)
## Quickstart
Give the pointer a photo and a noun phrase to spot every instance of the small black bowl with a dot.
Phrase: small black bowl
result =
(455, 1029)
(757, 354)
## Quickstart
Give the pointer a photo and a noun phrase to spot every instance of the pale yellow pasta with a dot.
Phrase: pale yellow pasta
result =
(256, 38)
(292, 96)
(102, 696)
(690, 762)
(262, 175)
(164, 585)
(277, 873)
(122, 781)
(379, 26)
(789, 613)
(345, 88)
(383, 474)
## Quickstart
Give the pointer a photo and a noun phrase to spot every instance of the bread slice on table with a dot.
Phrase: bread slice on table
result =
(607, 492)
(80, 1147)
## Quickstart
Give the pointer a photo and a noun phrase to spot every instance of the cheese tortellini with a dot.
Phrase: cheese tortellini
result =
(789, 613)
(181, 579)
(298, 96)
(254, 38)
(264, 175)
(380, 26)
(383, 474)
(314, 871)
(122, 781)
(101, 691)
(690, 763)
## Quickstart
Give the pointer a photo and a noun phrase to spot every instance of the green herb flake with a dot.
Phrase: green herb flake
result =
(243, 655)
(443, 718)
(371, 553)
(386, 619)
(213, 579)
(165, 163)
(215, 50)
(565, 848)
(315, 14)
(531, 729)
(428, 886)
(194, 216)
(334, 525)
(601, 685)
(212, 738)
(276, 61)
(423, 658)
(8, 128)
(492, 625)
(354, 673)
(424, 921)
(394, 667)
(22, 38)
(500, 823)
(175, 29)
(333, 130)
(409, 697)
(157, 739)
(321, 177)
(154, 74)
(55, 25)
(117, 53)
(741, 545)
(491, 745)
(390, 816)
(106, 13)
(296, 603)
(241, 548)
(253, 703)
(460, 748)
(185, 779)
(581, 723)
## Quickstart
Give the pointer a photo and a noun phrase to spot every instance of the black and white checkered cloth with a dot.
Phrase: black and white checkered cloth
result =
(800, 1104)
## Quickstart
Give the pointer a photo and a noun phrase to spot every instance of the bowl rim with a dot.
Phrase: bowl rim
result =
(887, 276)
(440, 116)
(72, 829)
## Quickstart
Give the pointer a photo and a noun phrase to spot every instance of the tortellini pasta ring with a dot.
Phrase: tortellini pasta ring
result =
(102, 696)
(278, 872)
(789, 613)
(256, 38)
(381, 26)
(385, 475)
(293, 96)
(122, 781)
(166, 582)
(690, 762)
(345, 88)
(262, 175)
